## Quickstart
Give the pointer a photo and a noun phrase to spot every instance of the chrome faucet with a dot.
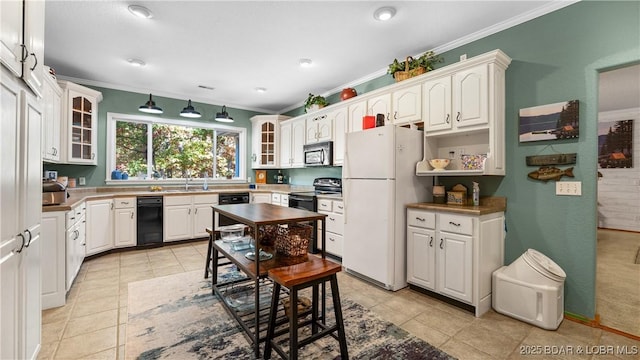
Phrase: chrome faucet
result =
(186, 180)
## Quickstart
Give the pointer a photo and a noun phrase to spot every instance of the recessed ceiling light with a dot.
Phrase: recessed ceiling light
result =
(261, 89)
(136, 62)
(140, 11)
(305, 62)
(384, 13)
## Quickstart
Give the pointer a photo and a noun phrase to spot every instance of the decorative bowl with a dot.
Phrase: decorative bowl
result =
(439, 164)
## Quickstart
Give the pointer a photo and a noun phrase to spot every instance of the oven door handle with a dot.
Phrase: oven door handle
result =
(298, 198)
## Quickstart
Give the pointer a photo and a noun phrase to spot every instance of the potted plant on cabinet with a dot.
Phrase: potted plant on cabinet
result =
(412, 67)
(314, 102)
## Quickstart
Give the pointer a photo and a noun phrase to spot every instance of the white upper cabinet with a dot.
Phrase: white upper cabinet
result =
(79, 124)
(265, 132)
(11, 35)
(380, 104)
(22, 40)
(318, 128)
(292, 140)
(406, 104)
(356, 111)
(437, 104)
(52, 95)
(339, 118)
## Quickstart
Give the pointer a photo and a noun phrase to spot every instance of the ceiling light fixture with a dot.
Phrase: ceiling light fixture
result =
(384, 13)
(189, 111)
(305, 63)
(261, 90)
(136, 62)
(150, 107)
(140, 11)
(223, 116)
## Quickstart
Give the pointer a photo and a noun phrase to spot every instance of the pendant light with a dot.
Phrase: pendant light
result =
(150, 107)
(189, 111)
(224, 115)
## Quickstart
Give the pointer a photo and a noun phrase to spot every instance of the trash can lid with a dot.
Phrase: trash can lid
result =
(544, 265)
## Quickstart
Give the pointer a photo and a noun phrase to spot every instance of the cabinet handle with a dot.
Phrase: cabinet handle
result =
(420, 219)
(132, 214)
(36, 64)
(30, 238)
(458, 117)
(331, 239)
(441, 241)
(111, 206)
(196, 211)
(189, 213)
(332, 219)
(454, 224)
(388, 117)
(93, 156)
(395, 115)
(253, 157)
(447, 119)
(54, 151)
(73, 218)
(340, 207)
(21, 245)
(431, 242)
(124, 202)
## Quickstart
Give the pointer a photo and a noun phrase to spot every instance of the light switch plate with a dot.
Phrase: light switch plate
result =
(82, 181)
(570, 188)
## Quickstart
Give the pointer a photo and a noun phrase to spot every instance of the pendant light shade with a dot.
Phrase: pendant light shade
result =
(224, 115)
(150, 107)
(189, 111)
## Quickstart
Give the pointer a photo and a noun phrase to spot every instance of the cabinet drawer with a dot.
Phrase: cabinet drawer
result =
(334, 244)
(324, 205)
(338, 207)
(177, 200)
(205, 199)
(335, 224)
(125, 203)
(73, 216)
(423, 219)
(456, 224)
(275, 198)
(284, 199)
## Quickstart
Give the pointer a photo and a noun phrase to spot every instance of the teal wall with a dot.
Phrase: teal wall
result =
(556, 58)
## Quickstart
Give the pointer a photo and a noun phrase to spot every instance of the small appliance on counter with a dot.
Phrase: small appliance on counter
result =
(53, 192)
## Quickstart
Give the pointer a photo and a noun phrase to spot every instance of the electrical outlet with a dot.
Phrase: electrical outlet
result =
(463, 57)
(82, 181)
(571, 188)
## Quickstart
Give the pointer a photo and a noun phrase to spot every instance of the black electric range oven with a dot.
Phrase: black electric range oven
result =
(307, 200)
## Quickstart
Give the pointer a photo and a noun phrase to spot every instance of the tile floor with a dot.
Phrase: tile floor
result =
(92, 325)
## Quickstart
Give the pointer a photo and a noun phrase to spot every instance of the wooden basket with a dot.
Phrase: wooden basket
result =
(293, 240)
(406, 74)
(268, 234)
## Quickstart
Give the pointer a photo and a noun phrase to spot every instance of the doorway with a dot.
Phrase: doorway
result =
(618, 236)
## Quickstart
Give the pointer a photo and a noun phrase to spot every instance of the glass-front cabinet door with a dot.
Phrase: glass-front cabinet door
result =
(81, 122)
(265, 134)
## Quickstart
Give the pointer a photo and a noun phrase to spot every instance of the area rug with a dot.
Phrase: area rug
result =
(177, 317)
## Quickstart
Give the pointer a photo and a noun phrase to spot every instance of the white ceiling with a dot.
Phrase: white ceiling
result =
(236, 46)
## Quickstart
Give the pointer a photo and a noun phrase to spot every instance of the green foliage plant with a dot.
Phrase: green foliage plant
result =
(315, 100)
(426, 60)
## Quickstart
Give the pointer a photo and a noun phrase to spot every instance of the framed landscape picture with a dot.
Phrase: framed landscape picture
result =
(549, 122)
(615, 144)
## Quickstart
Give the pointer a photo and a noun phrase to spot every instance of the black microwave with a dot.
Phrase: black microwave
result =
(318, 154)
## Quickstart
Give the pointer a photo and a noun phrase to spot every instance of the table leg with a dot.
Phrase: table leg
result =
(256, 344)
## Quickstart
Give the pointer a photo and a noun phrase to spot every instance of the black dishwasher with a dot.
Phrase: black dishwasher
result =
(149, 221)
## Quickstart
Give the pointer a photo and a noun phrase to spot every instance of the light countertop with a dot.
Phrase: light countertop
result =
(488, 205)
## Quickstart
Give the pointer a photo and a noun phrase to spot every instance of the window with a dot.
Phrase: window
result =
(149, 148)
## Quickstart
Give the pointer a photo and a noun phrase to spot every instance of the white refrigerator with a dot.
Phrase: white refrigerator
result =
(379, 179)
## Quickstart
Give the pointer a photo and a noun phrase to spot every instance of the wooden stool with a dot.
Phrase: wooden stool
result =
(209, 260)
(314, 272)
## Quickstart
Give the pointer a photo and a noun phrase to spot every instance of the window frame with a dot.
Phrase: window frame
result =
(112, 118)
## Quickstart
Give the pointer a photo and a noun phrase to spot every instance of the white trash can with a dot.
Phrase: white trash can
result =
(530, 289)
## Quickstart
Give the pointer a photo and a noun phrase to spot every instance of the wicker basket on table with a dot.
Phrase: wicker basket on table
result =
(408, 73)
(293, 240)
(267, 234)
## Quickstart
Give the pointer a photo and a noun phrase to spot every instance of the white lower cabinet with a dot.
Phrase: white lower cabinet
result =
(334, 224)
(187, 217)
(280, 199)
(99, 235)
(257, 198)
(454, 255)
(53, 262)
(76, 241)
(125, 222)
